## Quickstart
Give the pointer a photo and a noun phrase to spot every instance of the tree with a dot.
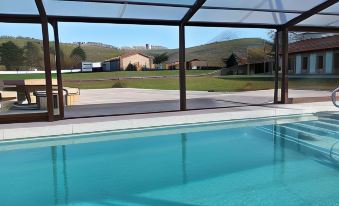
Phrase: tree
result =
(33, 55)
(78, 55)
(131, 67)
(78, 51)
(11, 56)
(231, 61)
(158, 59)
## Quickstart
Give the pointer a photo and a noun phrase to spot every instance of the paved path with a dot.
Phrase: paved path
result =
(117, 101)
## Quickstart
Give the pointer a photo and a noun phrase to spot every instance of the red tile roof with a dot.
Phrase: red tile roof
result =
(308, 45)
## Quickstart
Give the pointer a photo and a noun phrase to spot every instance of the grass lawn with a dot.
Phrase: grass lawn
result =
(103, 75)
(209, 84)
(206, 83)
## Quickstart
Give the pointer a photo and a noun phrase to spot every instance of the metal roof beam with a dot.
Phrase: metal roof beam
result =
(327, 29)
(19, 18)
(309, 13)
(83, 19)
(190, 13)
(232, 25)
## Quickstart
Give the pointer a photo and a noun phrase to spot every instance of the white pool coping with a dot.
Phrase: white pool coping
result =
(99, 124)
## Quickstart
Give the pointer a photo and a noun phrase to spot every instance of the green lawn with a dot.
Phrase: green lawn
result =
(103, 75)
(206, 83)
(209, 84)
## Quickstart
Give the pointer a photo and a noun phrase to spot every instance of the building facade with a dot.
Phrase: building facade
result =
(122, 63)
(314, 56)
(195, 64)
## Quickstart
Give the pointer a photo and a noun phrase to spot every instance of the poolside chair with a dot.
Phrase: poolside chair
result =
(71, 95)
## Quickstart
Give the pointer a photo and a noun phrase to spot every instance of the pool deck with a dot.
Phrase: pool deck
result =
(96, 124)
(118, 101)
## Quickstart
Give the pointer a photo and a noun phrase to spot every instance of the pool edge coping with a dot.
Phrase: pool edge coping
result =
(148, 121)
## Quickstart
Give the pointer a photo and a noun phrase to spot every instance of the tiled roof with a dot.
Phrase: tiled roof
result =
(330, 42)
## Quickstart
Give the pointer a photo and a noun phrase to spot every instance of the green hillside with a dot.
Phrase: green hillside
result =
(213, 53)
(94, 53)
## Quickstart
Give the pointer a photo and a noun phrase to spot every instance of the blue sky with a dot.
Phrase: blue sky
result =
(129, 35)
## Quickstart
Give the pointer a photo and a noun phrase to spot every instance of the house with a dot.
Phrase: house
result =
(314, 56)
(196, 64)
(172, 65)
(121, 63)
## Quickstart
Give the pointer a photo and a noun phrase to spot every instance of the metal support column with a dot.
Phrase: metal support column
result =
(47, 61)
(276, 69)
(284, 74)
(58, 69)
(182, 68)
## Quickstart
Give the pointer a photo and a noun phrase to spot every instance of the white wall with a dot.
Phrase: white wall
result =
(298, 64)
(329, 62)
(313, 63)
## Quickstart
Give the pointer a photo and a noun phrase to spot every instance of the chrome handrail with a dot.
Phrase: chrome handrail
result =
(334, 97)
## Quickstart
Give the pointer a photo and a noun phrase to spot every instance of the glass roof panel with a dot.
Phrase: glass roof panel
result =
(154, 12)
(321, 20)
(113, 10)
(68, 8)
(301, 5)
(230, 16)
(334, 8)
(18, 7)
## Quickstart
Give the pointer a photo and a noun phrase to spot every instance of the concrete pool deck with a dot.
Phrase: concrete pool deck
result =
(96, 124)
(118, 101)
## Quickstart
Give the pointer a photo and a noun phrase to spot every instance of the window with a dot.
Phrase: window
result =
(320, 63)
(304, 64)
(291, 64)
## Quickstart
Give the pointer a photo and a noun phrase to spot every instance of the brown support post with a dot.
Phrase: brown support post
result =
(284, 74)
(276, 69)
(58, 69)
(47, 61)
(182, 68)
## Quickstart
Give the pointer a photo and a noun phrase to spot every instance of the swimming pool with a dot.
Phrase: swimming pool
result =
(284, 161)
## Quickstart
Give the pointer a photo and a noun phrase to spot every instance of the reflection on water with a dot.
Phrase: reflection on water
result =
(183, 154)
(55, 172)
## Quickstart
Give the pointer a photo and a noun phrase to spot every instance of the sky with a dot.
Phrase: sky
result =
(129, 35)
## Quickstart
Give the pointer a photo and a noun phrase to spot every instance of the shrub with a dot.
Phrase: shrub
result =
(119, 84)
(131, 67)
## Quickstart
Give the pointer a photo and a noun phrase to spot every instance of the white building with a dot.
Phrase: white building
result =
(314, 56)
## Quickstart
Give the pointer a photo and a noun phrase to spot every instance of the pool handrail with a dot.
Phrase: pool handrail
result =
(334, 97)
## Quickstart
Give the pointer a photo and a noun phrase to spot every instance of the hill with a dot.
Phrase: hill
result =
(93, 52)
(214, 53)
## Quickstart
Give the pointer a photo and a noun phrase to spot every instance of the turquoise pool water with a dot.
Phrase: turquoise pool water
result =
(247, 165)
